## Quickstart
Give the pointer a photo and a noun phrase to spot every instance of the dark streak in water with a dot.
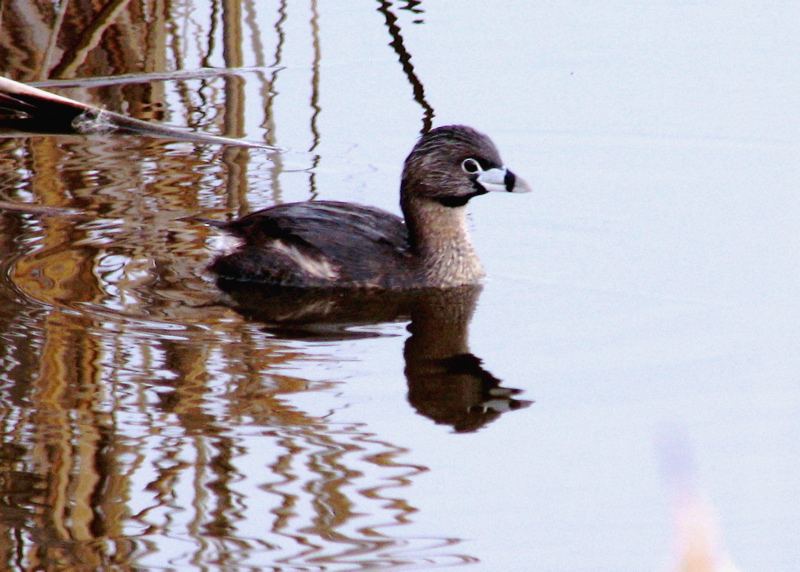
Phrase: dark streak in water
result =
(405, 61)
(315, 71)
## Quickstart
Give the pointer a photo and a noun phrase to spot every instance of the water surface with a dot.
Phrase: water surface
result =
(151, 421)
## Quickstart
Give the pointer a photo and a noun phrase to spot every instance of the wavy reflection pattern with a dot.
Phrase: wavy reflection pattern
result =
(144, 425)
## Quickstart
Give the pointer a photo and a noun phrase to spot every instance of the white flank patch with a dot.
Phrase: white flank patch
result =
(317, 267)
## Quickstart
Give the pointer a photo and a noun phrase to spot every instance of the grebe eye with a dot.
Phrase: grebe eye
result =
(471, 166)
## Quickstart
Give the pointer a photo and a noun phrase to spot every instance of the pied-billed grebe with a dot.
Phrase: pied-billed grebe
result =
(329, 244)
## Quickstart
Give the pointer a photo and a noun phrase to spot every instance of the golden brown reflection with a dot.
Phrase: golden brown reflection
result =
(119, 445)
(147, 426)
(144, 424)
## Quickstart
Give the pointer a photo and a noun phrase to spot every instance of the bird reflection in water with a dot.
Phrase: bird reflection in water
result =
(446, 382)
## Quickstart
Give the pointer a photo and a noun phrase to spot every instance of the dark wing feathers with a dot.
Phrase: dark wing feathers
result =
(364, 244)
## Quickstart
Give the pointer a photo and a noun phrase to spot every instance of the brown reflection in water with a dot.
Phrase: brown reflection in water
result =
(141, 427)
(120, 439)
(446, 382)
(141, 418)
(124, 236)
(134, 46)
(131, 42)
(69, 39)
